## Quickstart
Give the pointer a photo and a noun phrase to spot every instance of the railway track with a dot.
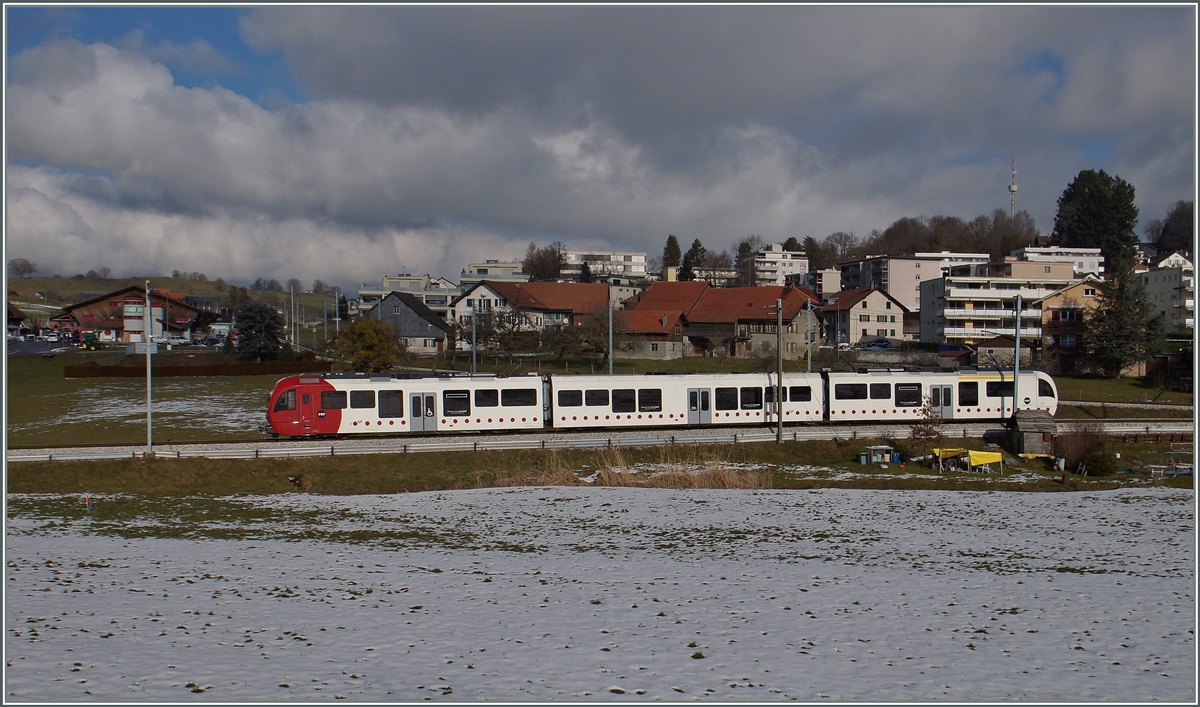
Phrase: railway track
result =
(292, 448)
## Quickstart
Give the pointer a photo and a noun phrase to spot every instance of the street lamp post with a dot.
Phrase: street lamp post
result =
(779, 371)
(149, 330)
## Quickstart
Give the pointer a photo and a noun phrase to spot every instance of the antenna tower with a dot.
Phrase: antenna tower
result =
(1012, 192)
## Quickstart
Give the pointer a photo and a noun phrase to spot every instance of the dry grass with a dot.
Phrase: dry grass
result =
(682, 467)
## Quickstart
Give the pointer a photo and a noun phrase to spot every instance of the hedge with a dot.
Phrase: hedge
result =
(92, 369)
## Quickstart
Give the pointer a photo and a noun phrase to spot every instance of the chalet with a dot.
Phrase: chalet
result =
(120, 316)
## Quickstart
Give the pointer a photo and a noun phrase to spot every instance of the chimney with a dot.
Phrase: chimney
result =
(664, 320)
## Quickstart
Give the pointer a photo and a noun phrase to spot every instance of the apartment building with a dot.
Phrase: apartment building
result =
(773, 265)
(495, 270)
(901, 275)
(1172, 292)
(974, 303)
(1062, 318)
(1084, 261)
(822, 282)
(436, 293)
(620, 264)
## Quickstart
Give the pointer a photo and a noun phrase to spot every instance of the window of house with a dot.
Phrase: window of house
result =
(1066, 341)
(391, 403)
(570, 398)
(362, 398)
(487, 398)
(519, 397)
(1047, 268)
(893, 332)
(864, 304)
(889, 305)
(864, 332)
(333, 399)
(456, 402)
(596, 398)
(893, 318)
(1089, 292)
(654, 347)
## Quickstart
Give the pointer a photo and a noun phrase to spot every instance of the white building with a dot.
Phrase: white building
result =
(500, 271)
(773, 265)
(823, 282)
(1085, 261)
(434, 292)
(626, 264)
(901, 276)
(1172, 291)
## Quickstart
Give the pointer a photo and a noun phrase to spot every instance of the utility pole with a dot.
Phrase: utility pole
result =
(1017, 356)
(779, 371)
(149, 397)
(474, 336)
(808, 334)
(610, 336)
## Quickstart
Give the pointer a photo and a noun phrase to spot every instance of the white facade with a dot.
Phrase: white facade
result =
(1085, 261)
(902, 276)
(502, 271)
(435, 292)
(968, 309)
(773, 265)
(823, 282)
(1172, 292)
(603, 263)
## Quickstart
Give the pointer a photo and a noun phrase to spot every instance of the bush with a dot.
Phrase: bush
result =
(1085, 442)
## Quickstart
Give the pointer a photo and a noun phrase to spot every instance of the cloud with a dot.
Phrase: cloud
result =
(441, 136)
(197, 56)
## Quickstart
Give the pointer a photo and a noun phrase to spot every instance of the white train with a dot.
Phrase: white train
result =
(344, 404)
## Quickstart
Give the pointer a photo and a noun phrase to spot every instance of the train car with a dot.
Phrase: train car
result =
(680, 400)
(348, 403)
(890, 395)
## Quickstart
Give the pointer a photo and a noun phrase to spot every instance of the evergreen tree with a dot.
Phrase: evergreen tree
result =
(1175, 232)
(818, 258)
(792, 244)
(585, 272)
(671, 254)
(692, 260)
(1097, 211)
(743, 262)
(261, 328)
(1124, 329)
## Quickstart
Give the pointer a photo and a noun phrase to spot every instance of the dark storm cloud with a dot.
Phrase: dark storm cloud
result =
(437, 136)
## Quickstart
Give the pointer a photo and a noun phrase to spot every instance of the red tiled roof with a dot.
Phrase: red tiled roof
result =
(742, 303)
(639, 321)
(576, 297)
(671, 296)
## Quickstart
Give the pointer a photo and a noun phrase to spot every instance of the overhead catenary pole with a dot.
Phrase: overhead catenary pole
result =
(779, 371)
(808, 334)
(474, 334)
(149, 330)
(610, 336)
(1016, 355)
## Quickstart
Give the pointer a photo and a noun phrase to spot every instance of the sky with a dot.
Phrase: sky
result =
(344, 144)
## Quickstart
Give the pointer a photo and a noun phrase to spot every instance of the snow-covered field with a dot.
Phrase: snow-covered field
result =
(614, 594)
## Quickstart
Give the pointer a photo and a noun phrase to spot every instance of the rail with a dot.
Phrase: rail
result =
(487, 444)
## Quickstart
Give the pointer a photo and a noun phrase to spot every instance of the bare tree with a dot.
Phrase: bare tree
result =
(20, 267)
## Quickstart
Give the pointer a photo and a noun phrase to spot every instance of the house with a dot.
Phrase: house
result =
(654, 334)
(1062, 315)
(998, 351)
(863, 314)
(530, 306)
(418, 327)
(15, 320)
(735, 321)
(120, 316)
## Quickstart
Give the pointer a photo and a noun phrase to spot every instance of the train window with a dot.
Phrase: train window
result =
(908, 395)
(287, 401)
(487, 398)
(800, 394)
(727, 398)
(769, 397)
(333, 399)
(935, 397)
(518, 398)
(881, 391)
(456, 403)
(570, 398)
(362, 398)
(752, 398)
(649, 400)
(624, 400)
(999, 389)
(1044, 389)
(850, 391)
(596, 397)
(968, 394)
(391, 403)
(305, 399)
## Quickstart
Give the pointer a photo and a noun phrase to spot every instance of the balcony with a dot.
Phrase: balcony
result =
(1026, 333)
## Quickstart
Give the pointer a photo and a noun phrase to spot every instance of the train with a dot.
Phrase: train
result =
(338, 404)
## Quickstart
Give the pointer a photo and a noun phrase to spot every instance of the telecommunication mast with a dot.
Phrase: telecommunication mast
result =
(1012, 192)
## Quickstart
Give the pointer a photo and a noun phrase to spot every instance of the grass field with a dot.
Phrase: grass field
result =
(794, 465)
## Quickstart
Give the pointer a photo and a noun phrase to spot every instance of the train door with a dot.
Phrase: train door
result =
(699, 406)
(421, 412)
(308, 410)
(942, 399)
